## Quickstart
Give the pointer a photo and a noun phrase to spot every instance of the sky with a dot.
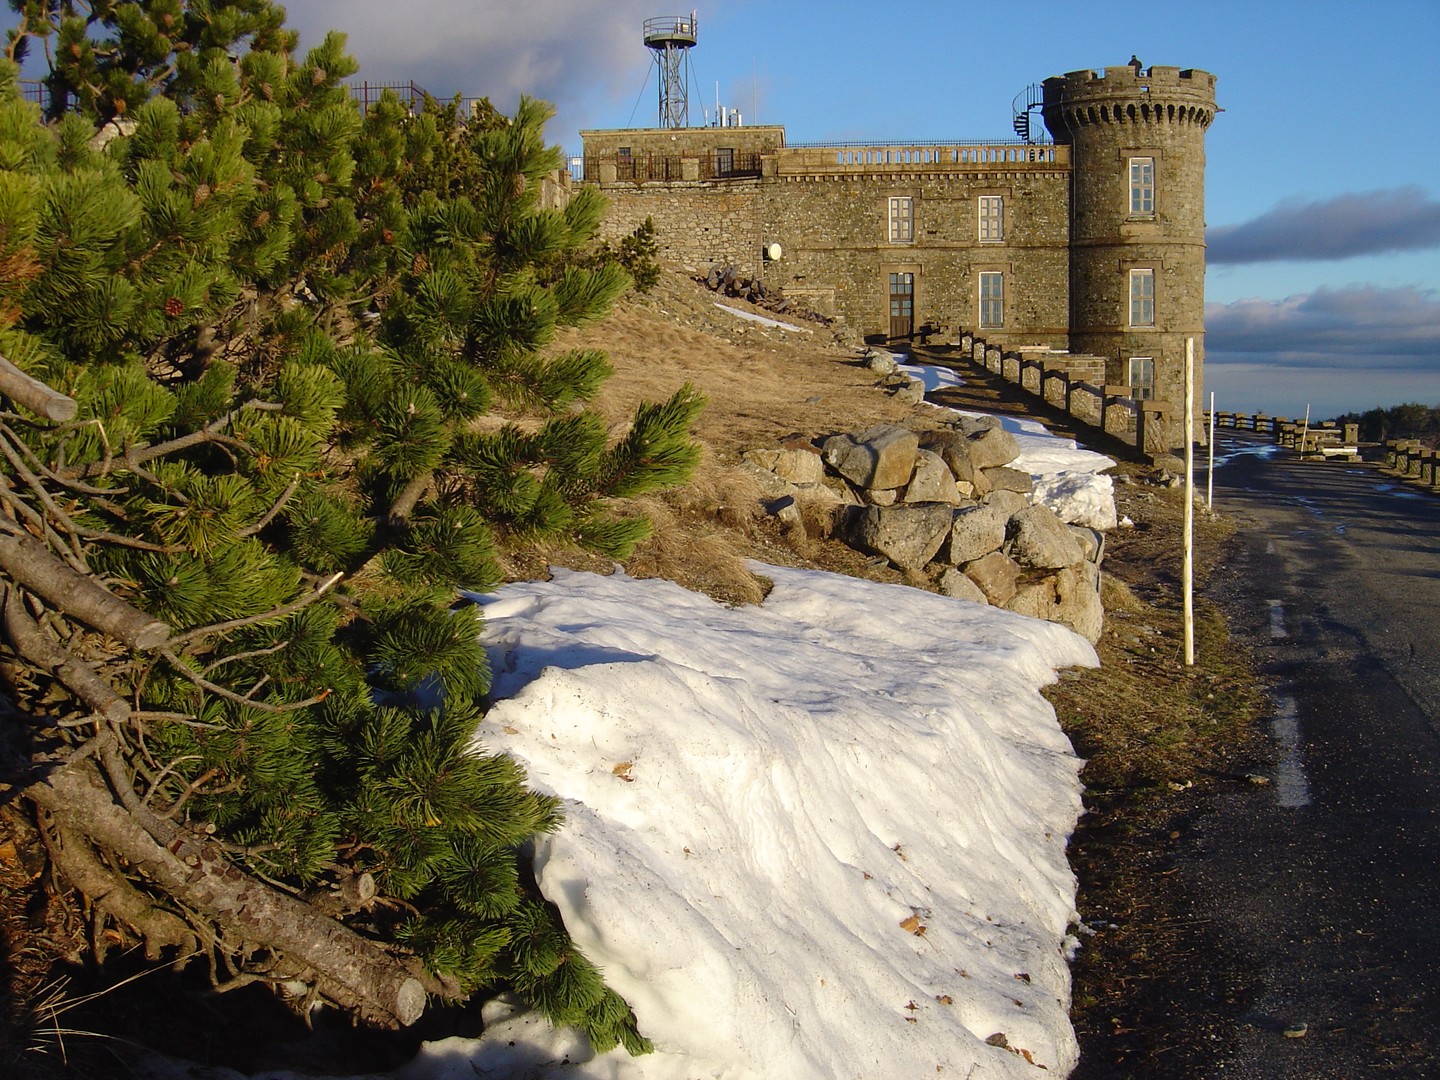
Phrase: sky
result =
(1323, 181)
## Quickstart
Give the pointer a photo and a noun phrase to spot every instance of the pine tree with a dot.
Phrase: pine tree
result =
(277, 383)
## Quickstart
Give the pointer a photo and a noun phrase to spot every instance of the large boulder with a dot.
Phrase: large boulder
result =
(992, 446)
(797, 465)
(909, 535)
(933, 481)
(881, 457)
(977, 531)
(998, 576)
(1011, 502)
(954, 449)
(953, 582)
(1004, 478)
(1078, 603)
(1068, 596)
(1039, 538)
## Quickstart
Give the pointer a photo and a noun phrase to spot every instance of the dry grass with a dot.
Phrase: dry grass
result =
(1142, 720)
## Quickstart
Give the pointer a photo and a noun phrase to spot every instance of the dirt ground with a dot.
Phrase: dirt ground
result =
(1150, 729)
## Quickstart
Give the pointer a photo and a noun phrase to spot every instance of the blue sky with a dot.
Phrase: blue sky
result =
(1323, 182)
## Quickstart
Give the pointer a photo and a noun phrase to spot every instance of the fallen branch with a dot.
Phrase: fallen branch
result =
(350, 970)
(31, 564)
(34, 394)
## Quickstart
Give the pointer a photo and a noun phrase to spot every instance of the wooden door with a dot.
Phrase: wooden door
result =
(902, 306)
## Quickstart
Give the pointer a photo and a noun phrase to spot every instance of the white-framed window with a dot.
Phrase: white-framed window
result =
(1142, 187)
(1142, 377)
(992, 298)
(992, 218)
(1142, 297)
(902, 219)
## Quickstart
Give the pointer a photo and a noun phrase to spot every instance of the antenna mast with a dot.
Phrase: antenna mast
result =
(671, 37)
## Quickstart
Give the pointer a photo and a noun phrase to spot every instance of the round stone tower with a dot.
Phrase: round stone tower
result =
(1137, 218)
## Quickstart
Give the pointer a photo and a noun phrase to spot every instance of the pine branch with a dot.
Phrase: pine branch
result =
(264, 616)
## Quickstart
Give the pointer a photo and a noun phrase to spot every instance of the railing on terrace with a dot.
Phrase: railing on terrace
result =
(949, 155)
(365, 94)
(34, 90)
(671, 167)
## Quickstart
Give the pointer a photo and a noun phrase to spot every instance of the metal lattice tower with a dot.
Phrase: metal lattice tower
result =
(670, 37)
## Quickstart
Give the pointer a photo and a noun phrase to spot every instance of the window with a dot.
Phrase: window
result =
(992, 218)
(992, 299)
(624, 163)
(1142, 378)
(902, 220)
(724, 160)
(1142, 187)
(1142, 297)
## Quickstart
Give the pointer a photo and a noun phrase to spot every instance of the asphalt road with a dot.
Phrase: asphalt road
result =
(1323, 887)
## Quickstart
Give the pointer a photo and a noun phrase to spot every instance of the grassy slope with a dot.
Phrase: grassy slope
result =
(1146, 725)
(1156, 735)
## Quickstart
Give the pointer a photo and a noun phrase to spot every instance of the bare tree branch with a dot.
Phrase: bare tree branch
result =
(240, 699)
(265, 616)
(269, 516)
(79, 677)
(30, 563)
(34, 394)
(350, 970)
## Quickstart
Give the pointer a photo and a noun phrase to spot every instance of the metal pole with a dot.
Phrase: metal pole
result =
(1210, 477)
(1305, 431)
(1187, 574)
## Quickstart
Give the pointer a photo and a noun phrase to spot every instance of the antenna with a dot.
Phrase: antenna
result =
(671, 37)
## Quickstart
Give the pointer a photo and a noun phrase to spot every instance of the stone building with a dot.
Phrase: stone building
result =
(1093, 244)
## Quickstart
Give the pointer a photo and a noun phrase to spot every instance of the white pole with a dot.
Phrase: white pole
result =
(1210, 476)
(1187, 574)
(1305, 431)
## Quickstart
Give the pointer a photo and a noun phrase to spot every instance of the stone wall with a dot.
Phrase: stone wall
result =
(697, 224)
(834, 231)
(829, 212)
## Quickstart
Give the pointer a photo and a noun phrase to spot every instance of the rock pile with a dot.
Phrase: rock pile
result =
(728, 281)
(945, 503)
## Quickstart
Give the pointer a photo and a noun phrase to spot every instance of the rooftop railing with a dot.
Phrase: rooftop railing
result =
(807, 157)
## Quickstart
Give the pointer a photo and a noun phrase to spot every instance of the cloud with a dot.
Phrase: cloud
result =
(567, 52)
(1362, 223)
(1355, 327)
(1340, 350)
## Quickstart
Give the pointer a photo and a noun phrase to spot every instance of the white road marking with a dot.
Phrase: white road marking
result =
(1277, 620)
(1292, 786)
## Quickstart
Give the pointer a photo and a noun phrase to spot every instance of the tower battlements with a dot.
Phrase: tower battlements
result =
(1128, 94)
(1125, 78)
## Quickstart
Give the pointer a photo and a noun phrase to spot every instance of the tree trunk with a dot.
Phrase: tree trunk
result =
(350, 970)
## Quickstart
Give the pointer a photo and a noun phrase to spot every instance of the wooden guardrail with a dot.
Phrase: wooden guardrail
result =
(1408, 458)
(1075, 384)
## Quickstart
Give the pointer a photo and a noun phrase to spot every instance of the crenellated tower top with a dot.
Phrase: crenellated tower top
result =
(1129, 94)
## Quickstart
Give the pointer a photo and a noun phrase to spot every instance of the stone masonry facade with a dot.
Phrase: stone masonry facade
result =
(1092, 244)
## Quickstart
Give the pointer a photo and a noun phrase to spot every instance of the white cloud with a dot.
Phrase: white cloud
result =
(1356, 223)
(564, 51)
(1357, 326)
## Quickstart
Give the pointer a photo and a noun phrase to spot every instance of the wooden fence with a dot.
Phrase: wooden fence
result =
(1075, 384)
(1406, 457)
